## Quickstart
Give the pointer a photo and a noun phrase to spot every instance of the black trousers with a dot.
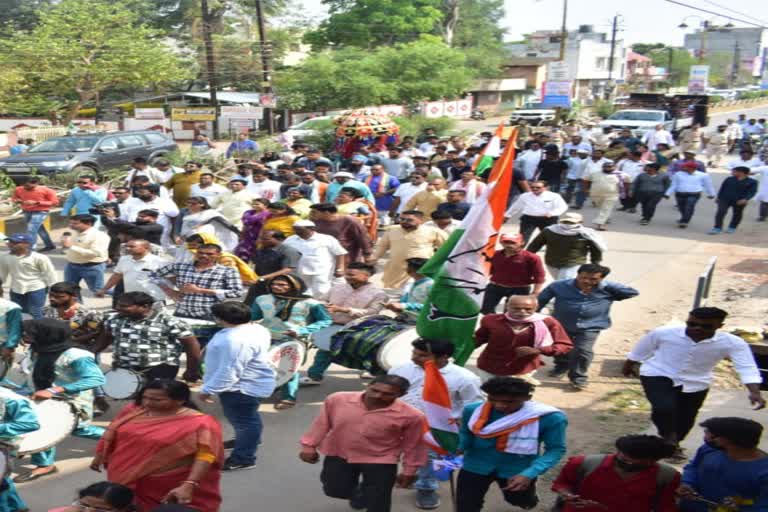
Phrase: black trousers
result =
(341, 479)
(529, 223)
(722, 211)
(672, 411)
(494, 293)
(471, 489)
(648, 202)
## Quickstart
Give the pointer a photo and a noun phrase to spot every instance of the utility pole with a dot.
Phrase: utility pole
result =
(210, 65)
(670, 56)
(703, 40)
(736, 64)
(564, 31)
(611, 57)
(266, 74)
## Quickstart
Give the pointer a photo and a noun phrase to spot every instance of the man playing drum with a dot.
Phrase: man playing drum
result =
(17, 418)
(463, 389)
(352, 300)
(147, 341)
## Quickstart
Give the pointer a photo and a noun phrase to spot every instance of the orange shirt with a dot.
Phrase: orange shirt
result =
(46, 198)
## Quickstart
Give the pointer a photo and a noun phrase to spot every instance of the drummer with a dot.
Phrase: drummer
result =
(289, 314)
(415, 292)
(356, 298)
(149, 341)
(60, 369)
(10, 327)
(18, 418)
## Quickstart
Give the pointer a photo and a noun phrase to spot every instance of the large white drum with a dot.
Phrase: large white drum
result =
(397, 350)
(122, 384)
(286, 358)
(57, 420)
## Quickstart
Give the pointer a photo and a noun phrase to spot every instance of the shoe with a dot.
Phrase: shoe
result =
(579, 386)
(682, 225)
(761, 219)
(100, 403)
(575, 207)
(309, 381)
(632, 210)
(236, 466)
(644, 222)
(47, 249)
(730, 230)
(30, 476)
(557, 374)
(427, 500)
(622, 209)
(229, 444)
(357, 501)
(715, 231)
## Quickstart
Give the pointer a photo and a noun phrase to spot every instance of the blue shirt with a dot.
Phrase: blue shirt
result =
(237, 360)
(715, 476)
(734, 189)
(483, 458)
(579, 311)
(13, 328)
(242, 146)
(83, 200)
(694, 183)
(19, 418)
(383, 203)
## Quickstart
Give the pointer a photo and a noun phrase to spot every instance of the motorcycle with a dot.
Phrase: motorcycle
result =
(477, 114)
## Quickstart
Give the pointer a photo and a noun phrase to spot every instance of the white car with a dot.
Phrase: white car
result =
(307, 127)
(532, 112)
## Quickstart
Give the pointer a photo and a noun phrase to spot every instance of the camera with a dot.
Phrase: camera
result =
(103, 207)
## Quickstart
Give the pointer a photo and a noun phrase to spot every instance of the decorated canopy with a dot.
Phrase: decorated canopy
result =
(355, 128)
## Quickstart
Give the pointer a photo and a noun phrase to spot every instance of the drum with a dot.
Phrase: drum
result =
(357, 346)
(286, 358)
(57, 420)
(397, 350)
(122, 384)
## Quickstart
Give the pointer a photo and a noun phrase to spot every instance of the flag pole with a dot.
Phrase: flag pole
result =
(453, 492)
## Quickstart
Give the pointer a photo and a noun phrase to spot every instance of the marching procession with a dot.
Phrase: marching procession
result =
(396, 260)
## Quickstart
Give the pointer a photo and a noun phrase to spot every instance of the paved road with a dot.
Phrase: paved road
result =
(660, 259)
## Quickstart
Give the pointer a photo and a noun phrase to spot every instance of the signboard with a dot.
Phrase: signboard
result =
(556, 94)
(557, 71)
(764, 81)
(149, 113)
(698, 79)
(242, 112)
(193, 114)
(268, 100)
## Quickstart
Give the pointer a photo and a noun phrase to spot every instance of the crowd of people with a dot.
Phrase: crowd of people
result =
(287, 248)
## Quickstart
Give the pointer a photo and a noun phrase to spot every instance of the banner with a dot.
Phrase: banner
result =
(193, 114)
(556, 94)
(698, 79)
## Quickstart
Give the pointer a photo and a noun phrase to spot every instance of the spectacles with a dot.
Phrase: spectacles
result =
(698, 324)
(86, 508)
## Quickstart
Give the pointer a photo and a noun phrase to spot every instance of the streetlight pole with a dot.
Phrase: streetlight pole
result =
(564, 31)
(266, 73)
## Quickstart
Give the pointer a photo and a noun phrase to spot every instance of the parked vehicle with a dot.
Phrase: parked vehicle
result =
(477, 114)
(533, 112)
(644, 111)
(307, 127)
(90, 152)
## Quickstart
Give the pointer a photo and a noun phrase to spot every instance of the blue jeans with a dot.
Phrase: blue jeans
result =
(577, 361)
(35, 227)
(686, 203)
(427, 481)
(242, 411)
(31, 302)
(93, 275)
(571, 188)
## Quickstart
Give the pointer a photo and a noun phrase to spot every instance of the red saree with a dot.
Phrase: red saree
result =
(153, 455)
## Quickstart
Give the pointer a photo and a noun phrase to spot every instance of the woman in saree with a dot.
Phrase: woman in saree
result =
(350, 201)
(253, 221)
(298, 203)
(198, 217)
(59, 369)
(164, 449)
(281, 218)
(289, 314)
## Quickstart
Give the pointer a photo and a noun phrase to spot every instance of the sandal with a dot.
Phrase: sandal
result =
(285, 404)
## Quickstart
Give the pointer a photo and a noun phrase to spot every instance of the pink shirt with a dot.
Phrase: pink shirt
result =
(363, 301)
(346, 428)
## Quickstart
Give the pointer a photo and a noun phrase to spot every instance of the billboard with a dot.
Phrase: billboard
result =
(556, 94)
(698, 79)
(193, 114)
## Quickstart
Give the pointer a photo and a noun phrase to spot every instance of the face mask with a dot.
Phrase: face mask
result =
(629, 467)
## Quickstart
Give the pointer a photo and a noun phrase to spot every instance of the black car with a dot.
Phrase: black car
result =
(91, 152)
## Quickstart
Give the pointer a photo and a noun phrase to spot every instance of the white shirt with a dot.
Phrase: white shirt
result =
(267, 189)
(696, 182)
(167, 209)
(631, 168)
(576, 168)
(528, 162)
(318, 253)
(450, 228)
(653, 138)
(753, 129)
(163, 176)
(546, 204)
(593, 166)
(669, 352)
(406, 191)
(136, 274)
(734, 131)
(762, 191)
(210, 192)
(463, 386)
(27, 273)
(740, 162)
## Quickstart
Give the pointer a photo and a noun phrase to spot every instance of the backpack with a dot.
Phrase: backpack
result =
(664, 477)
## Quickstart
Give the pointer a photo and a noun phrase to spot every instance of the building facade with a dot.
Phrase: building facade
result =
(750, 44)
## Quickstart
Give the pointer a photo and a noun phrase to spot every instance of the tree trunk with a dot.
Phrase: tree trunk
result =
(451, 20)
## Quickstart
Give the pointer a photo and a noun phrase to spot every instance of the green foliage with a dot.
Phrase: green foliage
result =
(753, 95)
(79, 49)
(647, 48)
(20, 14)
(719, 64)
(351, 77)
(603, 108)
(372, 24)
(414, 125)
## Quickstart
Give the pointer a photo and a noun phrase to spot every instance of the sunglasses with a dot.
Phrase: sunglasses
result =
(698, 324)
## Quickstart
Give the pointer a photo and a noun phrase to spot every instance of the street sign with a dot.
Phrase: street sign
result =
(557, 71)
(556, 94)
(698, 79)
(149, 113)
(193, 114)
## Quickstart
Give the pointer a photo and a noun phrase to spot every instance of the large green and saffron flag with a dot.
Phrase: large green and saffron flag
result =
(484, 163)
(442, 429)
(460, 267)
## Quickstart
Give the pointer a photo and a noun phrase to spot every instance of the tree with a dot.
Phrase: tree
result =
(719, 64)
(351, 77)
(79, 50)
(21, 14)
(373, 24)
(647, 48)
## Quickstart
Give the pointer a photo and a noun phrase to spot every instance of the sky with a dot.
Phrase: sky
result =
(646, 21)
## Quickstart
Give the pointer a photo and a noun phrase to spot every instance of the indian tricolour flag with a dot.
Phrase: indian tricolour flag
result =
(460, 267)
(490, 153)
(442, 429)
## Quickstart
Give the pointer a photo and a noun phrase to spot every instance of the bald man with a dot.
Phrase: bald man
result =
(515, 340)
(133, 270)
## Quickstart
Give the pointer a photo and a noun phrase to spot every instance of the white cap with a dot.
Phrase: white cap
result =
(344, 174)
(303, 224)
